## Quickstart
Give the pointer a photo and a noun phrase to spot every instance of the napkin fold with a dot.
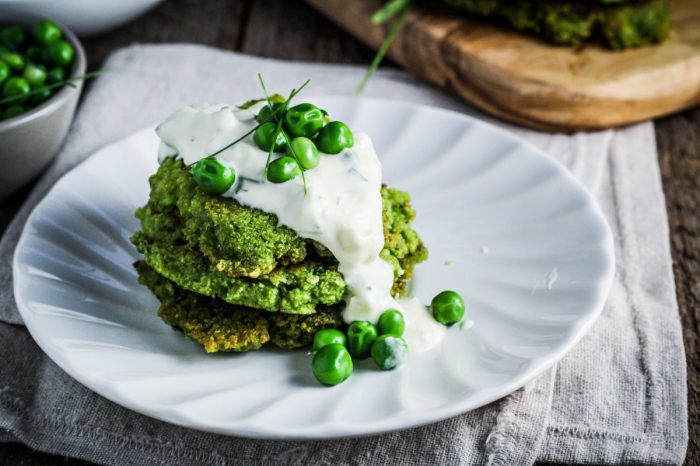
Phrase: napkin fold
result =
(618, 397)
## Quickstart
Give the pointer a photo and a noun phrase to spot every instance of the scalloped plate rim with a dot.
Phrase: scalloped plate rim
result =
(583, 323)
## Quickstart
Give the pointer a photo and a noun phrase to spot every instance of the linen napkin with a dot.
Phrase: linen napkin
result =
(618, 397)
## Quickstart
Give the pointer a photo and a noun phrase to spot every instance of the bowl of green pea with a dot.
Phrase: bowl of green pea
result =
(39, 63)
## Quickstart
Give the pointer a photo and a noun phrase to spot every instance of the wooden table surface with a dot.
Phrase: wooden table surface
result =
(292, 30)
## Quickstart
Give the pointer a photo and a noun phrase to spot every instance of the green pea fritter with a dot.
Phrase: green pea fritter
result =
(618, 24)
(238, 240)
(221, 326)
(234, 278)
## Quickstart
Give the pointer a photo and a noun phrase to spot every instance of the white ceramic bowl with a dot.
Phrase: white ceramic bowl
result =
(83, 17)
(29, 141)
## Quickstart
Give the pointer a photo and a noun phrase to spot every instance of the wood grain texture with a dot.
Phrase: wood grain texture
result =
(292, 30)
(214, 23)
(678, 140)
(525, 80)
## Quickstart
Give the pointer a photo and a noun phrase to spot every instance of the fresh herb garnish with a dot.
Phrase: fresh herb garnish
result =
(241, 138)
(41, 89)
(272, 116)
(275, 98)
(391, 9)
(395, 8)
(277, 132)
(38, 90)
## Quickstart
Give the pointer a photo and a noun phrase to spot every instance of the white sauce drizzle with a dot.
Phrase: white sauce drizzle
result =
(422, 330)
(342, 208)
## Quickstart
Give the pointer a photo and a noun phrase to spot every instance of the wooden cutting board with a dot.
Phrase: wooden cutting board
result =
(522, 79)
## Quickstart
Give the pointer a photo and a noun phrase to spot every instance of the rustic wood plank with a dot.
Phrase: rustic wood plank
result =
(216, 23)
(530, 82)
(678, 140)
(292, 30)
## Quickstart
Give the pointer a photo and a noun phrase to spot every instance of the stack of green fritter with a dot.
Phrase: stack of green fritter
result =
(230, 278)
(618, 24)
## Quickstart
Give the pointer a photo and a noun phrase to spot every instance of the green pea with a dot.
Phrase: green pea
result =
(14, 60)
(4, 71)
(305, 152)
(391, 322)
(14, 36)
(265, 133)
(266, 113)
(326, 118)
(58, 53)
(41, 96)
(212, 176)
(303, 120)
(16, 87)
(46, 32)
(334, 137)
(327, 337)
(13, 111)
(56, 75)
(35, 53)
(389, 351)
(35, 76)
(283, 169)
(447, 307)
(332, 364)
(361, 336)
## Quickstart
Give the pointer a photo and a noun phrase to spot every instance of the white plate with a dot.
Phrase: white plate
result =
(509, 229)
